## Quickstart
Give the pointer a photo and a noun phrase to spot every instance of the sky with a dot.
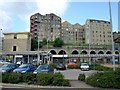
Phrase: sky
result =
(15, 14)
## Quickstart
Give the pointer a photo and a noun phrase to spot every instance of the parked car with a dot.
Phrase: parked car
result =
(44, 69)
(8, 67)
(60, 66)
(71, 64)
(24, 68)
(84, 66)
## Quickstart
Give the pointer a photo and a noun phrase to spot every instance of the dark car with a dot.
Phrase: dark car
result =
(8, 67)
(60, 66)
(44, 69)
(24, 68)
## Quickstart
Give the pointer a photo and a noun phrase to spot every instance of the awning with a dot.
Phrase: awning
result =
(60, 56)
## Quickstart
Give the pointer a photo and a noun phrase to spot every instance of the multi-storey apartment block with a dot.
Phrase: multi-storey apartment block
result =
(17, 42)
(98, 32)
(49, 26)
(45, 26)
(73, 33)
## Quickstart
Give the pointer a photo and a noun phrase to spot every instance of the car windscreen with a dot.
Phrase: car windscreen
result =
(23, 66)
(6, 66)
(42, 67)
(84, 64)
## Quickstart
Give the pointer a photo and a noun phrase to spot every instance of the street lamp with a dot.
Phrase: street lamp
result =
(113, 51)
(38, 35)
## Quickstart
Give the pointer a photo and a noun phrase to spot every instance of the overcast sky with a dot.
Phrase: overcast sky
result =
(15, 14)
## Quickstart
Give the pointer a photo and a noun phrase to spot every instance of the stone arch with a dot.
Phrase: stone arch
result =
(75, 52)
(100, 52)
(92, 52)
(53, 52)
(116, 52)
(84, 52)
(61, 52)
(108, 52)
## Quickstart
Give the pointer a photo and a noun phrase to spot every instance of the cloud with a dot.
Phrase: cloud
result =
(52, 6)
(23, 10)
(5, 21)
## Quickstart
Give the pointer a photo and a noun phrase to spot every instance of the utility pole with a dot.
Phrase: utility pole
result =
(113, 51)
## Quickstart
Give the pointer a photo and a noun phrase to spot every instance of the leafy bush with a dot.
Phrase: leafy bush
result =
(105, 80)
(59, 75)
(81, 77)
(44, 79)
(14, 77)
(99, 67)
(57, 81)
(27, 77)
(5, 77)
(66, 83)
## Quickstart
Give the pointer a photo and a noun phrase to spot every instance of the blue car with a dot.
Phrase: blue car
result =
(44, 69)
(24, 68)
(8, 67)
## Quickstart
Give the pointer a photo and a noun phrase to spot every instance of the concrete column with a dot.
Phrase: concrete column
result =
(14, 59)
(28, 59)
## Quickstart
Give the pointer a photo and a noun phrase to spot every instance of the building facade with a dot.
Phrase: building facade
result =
(45, 26)
(98, 32)
(73, 33)
(17, 42)
(1, 41)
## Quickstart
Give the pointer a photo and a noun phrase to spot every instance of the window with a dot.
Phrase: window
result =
(14, 48)
(15, 36)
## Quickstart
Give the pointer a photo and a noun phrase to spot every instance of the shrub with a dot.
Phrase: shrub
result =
(104, 80)
(14, 77)
(66, 83)
(27, 77)
(81, 77)
(44, 79)
(5, 77)
(99, 67)
(59, 75)
(57, 81)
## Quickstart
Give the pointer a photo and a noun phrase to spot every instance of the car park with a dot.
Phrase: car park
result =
(8, 67)
(84, 66)
(24, 68)
(44, 68)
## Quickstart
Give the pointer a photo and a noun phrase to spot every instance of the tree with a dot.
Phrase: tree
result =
(58, 42)
(34, 44)
(44, 42)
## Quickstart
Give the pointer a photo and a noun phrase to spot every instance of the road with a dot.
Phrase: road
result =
(72, 74)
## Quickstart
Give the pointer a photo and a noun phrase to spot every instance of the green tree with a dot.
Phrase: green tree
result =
(34, 44)
(44, 42)
(58, 42)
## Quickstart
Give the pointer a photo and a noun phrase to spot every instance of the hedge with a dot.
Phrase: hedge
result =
(109, 79)
(43, 79)
(14, 78)
(99, 67)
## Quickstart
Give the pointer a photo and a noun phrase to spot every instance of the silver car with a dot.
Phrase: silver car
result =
(84, 66)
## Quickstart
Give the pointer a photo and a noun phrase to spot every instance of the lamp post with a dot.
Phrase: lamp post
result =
(113, 51)
(38, 35)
